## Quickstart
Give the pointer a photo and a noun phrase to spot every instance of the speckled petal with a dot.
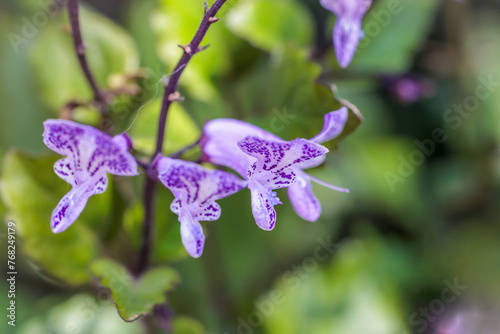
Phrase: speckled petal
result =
(90, 154)
(262, 208)
(192, 235)
(72, 204)
(195, 186)
(220, 143)
(196, 189)
(88, 150)
(275, 156)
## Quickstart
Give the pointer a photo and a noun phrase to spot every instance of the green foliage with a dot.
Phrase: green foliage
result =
(30, 191)
(185, 325)
(110, 50)
(135, 297)
(266, 64)
(181, 131)
(391, 40)
(175, 23)
(257, 22)
(167, 243)
(272, 92)
(358, 284)
(79, 314)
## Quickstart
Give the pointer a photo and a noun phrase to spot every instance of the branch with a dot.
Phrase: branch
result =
(190, 50)
(73, 12)
(170, 95)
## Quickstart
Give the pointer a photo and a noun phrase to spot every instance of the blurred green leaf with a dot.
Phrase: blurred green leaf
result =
(109, 48)
(30, 190)
(258, 22)
(272, 92)
(135, 297)
(185, 325)
(175, 23)
(181, 131)
(323, 298)
(80, 314)
(392, 37)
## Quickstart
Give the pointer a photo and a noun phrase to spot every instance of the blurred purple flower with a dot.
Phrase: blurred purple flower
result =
(268, 163)
(347, 31)
(90, 155)
(196, 189)
(409, 88)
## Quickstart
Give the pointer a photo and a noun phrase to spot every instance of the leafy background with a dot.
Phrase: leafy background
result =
(394, 247)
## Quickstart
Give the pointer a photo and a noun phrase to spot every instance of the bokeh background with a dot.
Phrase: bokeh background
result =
(412, 249)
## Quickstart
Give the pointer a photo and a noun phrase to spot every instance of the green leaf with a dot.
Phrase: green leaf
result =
(321, 296)
(81, 314)
(109, 48)
(185, 325)
(392, 37)
(30, 191)
(258, 22)
(135, 297)
(181, 131)
(290, 100)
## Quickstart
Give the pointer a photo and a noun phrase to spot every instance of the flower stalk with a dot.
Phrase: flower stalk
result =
(170, 95)
(73, 13)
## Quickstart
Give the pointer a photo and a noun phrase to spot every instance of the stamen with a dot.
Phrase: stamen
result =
(273, 198)
(331, 186)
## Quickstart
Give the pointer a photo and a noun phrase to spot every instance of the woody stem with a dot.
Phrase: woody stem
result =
(73, 12)
(170, 95)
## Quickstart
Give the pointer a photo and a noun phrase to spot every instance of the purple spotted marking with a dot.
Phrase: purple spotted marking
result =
(270, 163)
(90, 154)
(196, 189)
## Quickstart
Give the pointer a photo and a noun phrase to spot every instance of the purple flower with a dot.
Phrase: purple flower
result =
(90, 154)
(196, 189)
(268, 163)
(347, 31)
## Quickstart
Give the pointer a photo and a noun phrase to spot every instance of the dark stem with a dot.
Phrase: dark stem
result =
(179, 154)
(189, 51)
(73, 12)
(170, 95)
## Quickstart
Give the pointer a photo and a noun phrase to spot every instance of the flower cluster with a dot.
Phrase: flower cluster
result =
(265, 161)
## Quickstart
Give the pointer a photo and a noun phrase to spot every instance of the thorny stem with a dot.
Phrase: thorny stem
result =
(170, 95)
(73, 12)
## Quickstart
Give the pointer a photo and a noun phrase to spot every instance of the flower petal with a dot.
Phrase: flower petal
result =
(72, 204)
(275, 156)
(347, 8)
(192, 235)
(346, 35)
(301, 195)
(219, 143)
(197, 188)
(262, 209)
(209, 212)
(89, 151)
(275, 180)
(335, 122)
(332, 5)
